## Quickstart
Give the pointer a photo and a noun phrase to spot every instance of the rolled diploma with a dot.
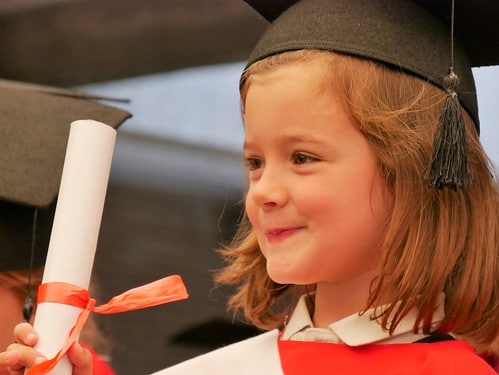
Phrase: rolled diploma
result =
(75, 229)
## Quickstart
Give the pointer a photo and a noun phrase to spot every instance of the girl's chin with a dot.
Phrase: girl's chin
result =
(279, 276)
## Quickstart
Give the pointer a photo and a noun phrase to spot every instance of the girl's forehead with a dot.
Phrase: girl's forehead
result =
(293, 78)
(293, 111)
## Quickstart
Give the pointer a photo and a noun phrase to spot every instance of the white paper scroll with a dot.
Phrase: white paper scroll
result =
(75, 229)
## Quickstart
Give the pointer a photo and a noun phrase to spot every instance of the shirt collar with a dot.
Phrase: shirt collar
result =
(355, 329)
(300, 319)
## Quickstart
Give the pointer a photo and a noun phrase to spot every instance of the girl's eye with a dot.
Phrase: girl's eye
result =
(300, 158)
(252, 163)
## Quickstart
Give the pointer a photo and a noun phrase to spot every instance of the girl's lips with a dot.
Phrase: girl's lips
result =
(279, 234)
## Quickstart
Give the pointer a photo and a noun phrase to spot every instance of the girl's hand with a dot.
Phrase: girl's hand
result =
(21, 354)
(81, 359)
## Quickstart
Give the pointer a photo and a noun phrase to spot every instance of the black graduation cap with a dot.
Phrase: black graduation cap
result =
(417, 36)
(34, 129)
(413, 35)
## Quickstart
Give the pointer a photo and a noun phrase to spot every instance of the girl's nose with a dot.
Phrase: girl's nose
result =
(269, 190)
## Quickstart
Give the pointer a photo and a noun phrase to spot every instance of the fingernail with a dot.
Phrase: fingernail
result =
(39, 360)
(30, 337)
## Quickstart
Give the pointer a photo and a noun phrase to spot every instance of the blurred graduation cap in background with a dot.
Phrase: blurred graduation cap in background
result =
(424, 38)
(34, 129)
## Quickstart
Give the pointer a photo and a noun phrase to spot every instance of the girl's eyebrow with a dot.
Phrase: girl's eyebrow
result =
(301, 138)
(291, 138)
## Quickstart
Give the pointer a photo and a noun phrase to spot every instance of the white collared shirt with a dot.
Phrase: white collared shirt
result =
(355, 329)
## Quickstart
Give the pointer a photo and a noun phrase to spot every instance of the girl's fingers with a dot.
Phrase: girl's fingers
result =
(25, 334)
(8, 359)
(17, 357)
(20, 356)
(81, 359)
(19, 371)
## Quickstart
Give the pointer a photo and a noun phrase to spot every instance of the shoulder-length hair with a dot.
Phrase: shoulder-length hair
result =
(436, 240)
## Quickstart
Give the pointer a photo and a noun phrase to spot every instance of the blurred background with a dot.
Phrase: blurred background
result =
(176, 184)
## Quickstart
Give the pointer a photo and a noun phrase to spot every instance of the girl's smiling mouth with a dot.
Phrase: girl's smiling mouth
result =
(280, 234)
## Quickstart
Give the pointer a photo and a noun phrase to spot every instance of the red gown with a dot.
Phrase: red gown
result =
(100, 366)
(446, 357)
(266, 354)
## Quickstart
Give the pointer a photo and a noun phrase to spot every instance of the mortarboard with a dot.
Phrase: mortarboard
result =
(421, 37)
(34, 129)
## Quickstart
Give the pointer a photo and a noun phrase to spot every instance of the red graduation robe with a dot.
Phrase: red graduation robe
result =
(447, 357)
(265, 354)
(99, 365)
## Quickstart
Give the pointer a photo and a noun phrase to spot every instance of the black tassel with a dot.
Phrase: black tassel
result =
(449, 165)
(28, 307)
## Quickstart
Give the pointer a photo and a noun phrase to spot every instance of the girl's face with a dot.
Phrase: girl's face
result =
(315, 198)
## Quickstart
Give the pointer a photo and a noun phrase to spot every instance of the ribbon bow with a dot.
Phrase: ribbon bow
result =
(168, 289)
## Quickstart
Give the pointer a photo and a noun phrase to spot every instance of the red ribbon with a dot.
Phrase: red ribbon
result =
(168, 289)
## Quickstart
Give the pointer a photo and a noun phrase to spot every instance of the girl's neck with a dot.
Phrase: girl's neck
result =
(336, 301)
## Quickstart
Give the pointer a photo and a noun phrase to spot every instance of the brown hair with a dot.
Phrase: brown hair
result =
(437, 240)
(17, 281)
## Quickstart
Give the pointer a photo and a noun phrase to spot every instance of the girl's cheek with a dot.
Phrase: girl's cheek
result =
(249, 206)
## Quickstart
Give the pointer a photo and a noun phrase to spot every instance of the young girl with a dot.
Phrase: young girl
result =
(356, 251)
